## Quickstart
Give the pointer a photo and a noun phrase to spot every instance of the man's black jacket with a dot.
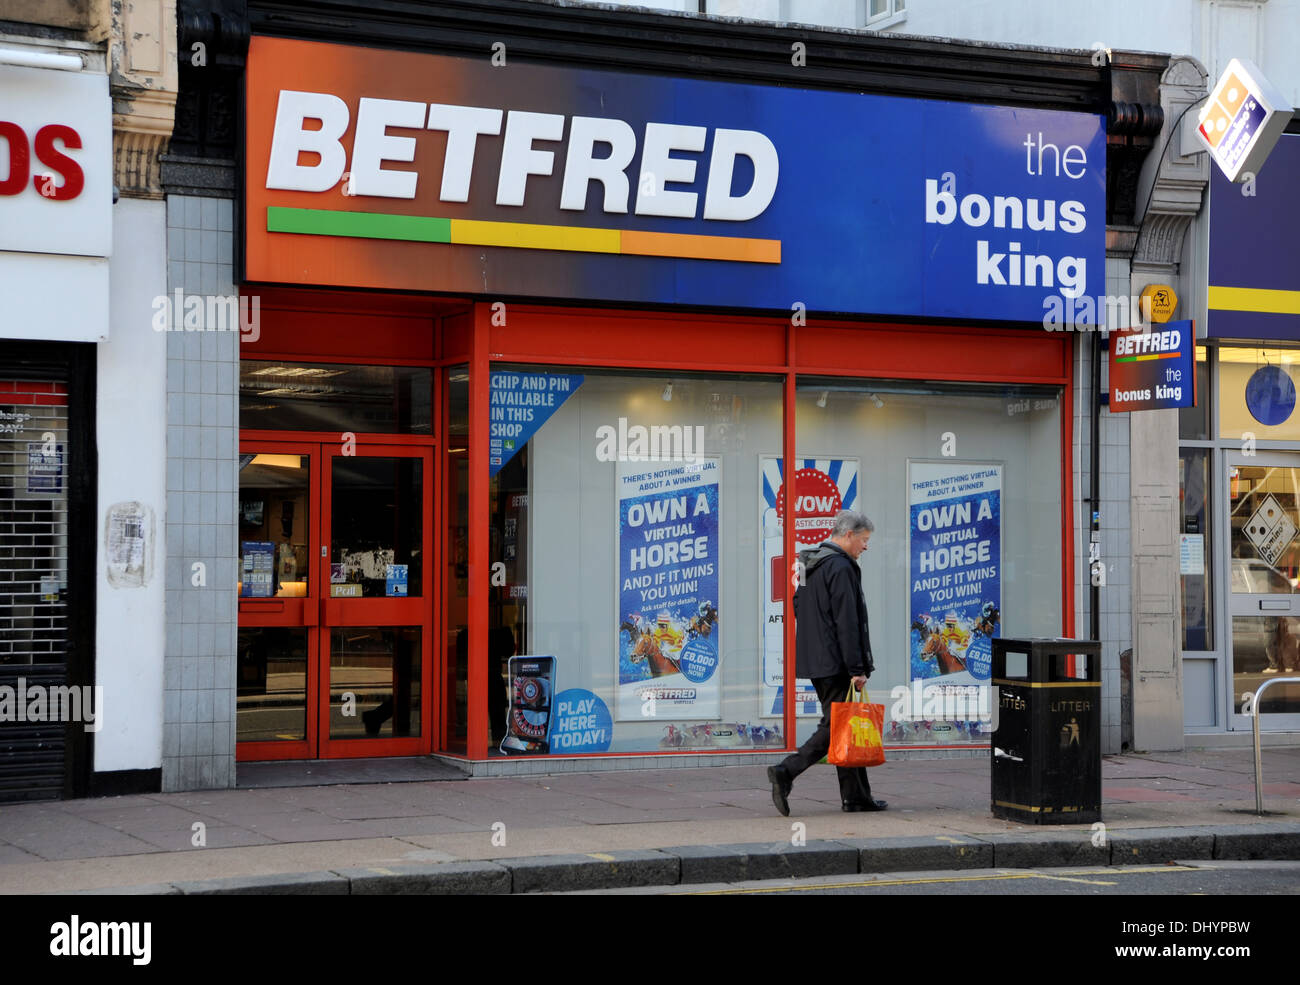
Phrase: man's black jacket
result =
(831, 635)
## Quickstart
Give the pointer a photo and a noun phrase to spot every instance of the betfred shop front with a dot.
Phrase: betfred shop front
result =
(558, 368)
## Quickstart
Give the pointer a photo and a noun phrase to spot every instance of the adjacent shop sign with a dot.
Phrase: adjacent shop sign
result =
(56, 203)
(1271, 529)
(57, 158)
(825, 486)
(1153, 370)
(410, 171)
(669, 655)
(1254, 239)
(1242, 119)
(518, 406)
(954, 569)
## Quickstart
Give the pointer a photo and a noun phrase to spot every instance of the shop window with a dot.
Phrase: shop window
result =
(34, 522)
(963, 485)
(1257, 395)
(1194, 549)
(334, 397)
(630, 599)
(456, 547)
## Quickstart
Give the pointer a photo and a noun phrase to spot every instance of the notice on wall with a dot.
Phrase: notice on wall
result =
(128, 535)
(44, 468)
(1191, 554)
(395, 578)
(667, 630)
(954, 569)
(825, 486)
(257, 576)
(518, 405)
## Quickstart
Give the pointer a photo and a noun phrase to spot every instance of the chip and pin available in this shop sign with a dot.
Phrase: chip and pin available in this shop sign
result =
(1242, 120)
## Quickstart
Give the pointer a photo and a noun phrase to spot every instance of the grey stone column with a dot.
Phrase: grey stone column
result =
(1176, 186)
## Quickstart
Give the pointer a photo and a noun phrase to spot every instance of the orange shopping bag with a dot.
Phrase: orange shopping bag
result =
(855, 732)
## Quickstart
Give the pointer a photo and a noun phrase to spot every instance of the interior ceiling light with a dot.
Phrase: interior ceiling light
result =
(821, 401)
(668, 391)
(318, 372)
(278, 461)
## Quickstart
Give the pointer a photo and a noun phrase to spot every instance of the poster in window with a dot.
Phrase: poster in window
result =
(44, 468)
(667, 634)
(825, 486)
(954, 569)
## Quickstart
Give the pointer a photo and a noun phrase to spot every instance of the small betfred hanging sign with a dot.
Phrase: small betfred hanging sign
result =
(1153, 370)
(1242, 119)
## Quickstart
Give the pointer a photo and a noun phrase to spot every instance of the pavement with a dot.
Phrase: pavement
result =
(606, 830)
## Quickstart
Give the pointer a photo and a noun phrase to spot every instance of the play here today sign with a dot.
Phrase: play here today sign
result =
(414, 171)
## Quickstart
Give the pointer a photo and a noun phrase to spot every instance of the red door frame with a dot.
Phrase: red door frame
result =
(290, 612)
(383, 613)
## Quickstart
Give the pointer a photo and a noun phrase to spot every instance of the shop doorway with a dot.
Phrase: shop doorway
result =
(335, 586)
(1263, 551)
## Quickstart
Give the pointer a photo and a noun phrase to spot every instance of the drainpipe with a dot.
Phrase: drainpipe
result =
(1094, 490)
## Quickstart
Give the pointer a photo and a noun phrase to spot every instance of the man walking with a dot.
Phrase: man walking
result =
(832, 648)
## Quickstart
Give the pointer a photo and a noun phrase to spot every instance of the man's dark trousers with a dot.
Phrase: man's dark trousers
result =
(855, 788)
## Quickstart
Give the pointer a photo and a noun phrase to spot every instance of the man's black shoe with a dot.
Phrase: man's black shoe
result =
(868, 805)
(781, 787)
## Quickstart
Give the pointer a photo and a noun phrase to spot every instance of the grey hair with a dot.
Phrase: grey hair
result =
(850, 522)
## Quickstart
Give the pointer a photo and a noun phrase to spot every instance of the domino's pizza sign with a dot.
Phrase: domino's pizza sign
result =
(1242, 120)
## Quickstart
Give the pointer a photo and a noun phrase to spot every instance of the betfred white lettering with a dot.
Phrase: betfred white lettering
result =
(1003, 264)
(1142, 343)
(665, 160)
(1128, 396)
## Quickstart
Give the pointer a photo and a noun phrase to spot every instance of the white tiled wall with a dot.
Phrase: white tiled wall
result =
(202, 501)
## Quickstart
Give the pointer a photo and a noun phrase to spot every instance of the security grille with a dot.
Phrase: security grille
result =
(33, 576)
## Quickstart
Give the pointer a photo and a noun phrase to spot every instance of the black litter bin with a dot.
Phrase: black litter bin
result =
(1046, 748)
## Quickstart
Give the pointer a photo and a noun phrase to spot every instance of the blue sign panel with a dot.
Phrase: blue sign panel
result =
(605, 186)
(1153, 370)
(1254, 241)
